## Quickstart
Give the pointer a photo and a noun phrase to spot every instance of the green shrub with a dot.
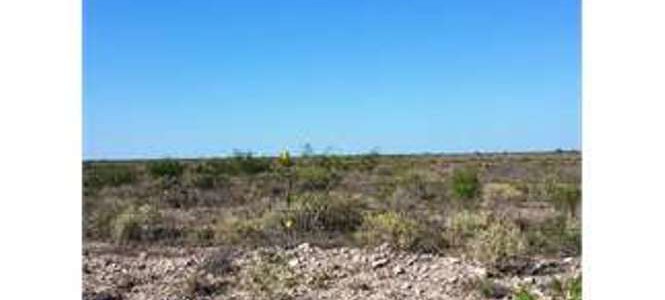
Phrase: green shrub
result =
(166, 168)
(574, 288)
(524, 294)
(465, 183)
(134, 223)
(501, 239)
(332, 162)
(396, 229)
(101, 175)
(369, 161)
(490, 289)
(570, 289)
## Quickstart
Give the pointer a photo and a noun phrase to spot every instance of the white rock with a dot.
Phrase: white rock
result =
(398, 270)
(379, 263)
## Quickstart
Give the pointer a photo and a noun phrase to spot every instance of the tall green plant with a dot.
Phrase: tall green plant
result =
(465, 183)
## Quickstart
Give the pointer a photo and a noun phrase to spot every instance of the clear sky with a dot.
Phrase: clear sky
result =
(201, 77)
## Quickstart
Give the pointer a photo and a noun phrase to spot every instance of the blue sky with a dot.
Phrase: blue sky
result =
(201, 78)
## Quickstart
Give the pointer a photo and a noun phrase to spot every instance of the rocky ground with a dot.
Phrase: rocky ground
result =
(308, 272)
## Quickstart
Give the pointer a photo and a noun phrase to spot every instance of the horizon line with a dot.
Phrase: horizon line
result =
(300, 154)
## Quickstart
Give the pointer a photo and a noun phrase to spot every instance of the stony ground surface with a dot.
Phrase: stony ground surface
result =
(307, 272)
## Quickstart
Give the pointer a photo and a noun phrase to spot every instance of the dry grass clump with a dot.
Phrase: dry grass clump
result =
(501, 239)
(484, 236)
(398, 230)
(269, 276)
(235, 230)
(567, 198)
(134, 223)
(501, 193)
(320, 212)
(464, 225)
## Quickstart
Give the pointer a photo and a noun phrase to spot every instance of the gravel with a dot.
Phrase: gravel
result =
(306, 272)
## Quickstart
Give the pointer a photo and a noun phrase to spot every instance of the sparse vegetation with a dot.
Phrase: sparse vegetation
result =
(557, 235)
(269, 276)
(314, 178)
(108, 175)
(366, 199)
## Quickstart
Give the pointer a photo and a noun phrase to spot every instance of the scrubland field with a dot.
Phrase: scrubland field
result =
(473, 226)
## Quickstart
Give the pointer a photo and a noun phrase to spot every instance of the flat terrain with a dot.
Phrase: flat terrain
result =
(476, 226)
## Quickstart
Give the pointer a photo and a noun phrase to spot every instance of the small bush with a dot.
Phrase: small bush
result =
(332, 162)
(396, 229)
(270, 276)
(99, 214)
(567, 198)
(491, 289)
(574, 288)
(501, 239)
(421, 186)
(318, 212)
(207, 181)
(570, 289)
(524, 294)
(166, 168)
(465, 183)
(558, 236)
(134, 223)
(312, 178)
(219, 263)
